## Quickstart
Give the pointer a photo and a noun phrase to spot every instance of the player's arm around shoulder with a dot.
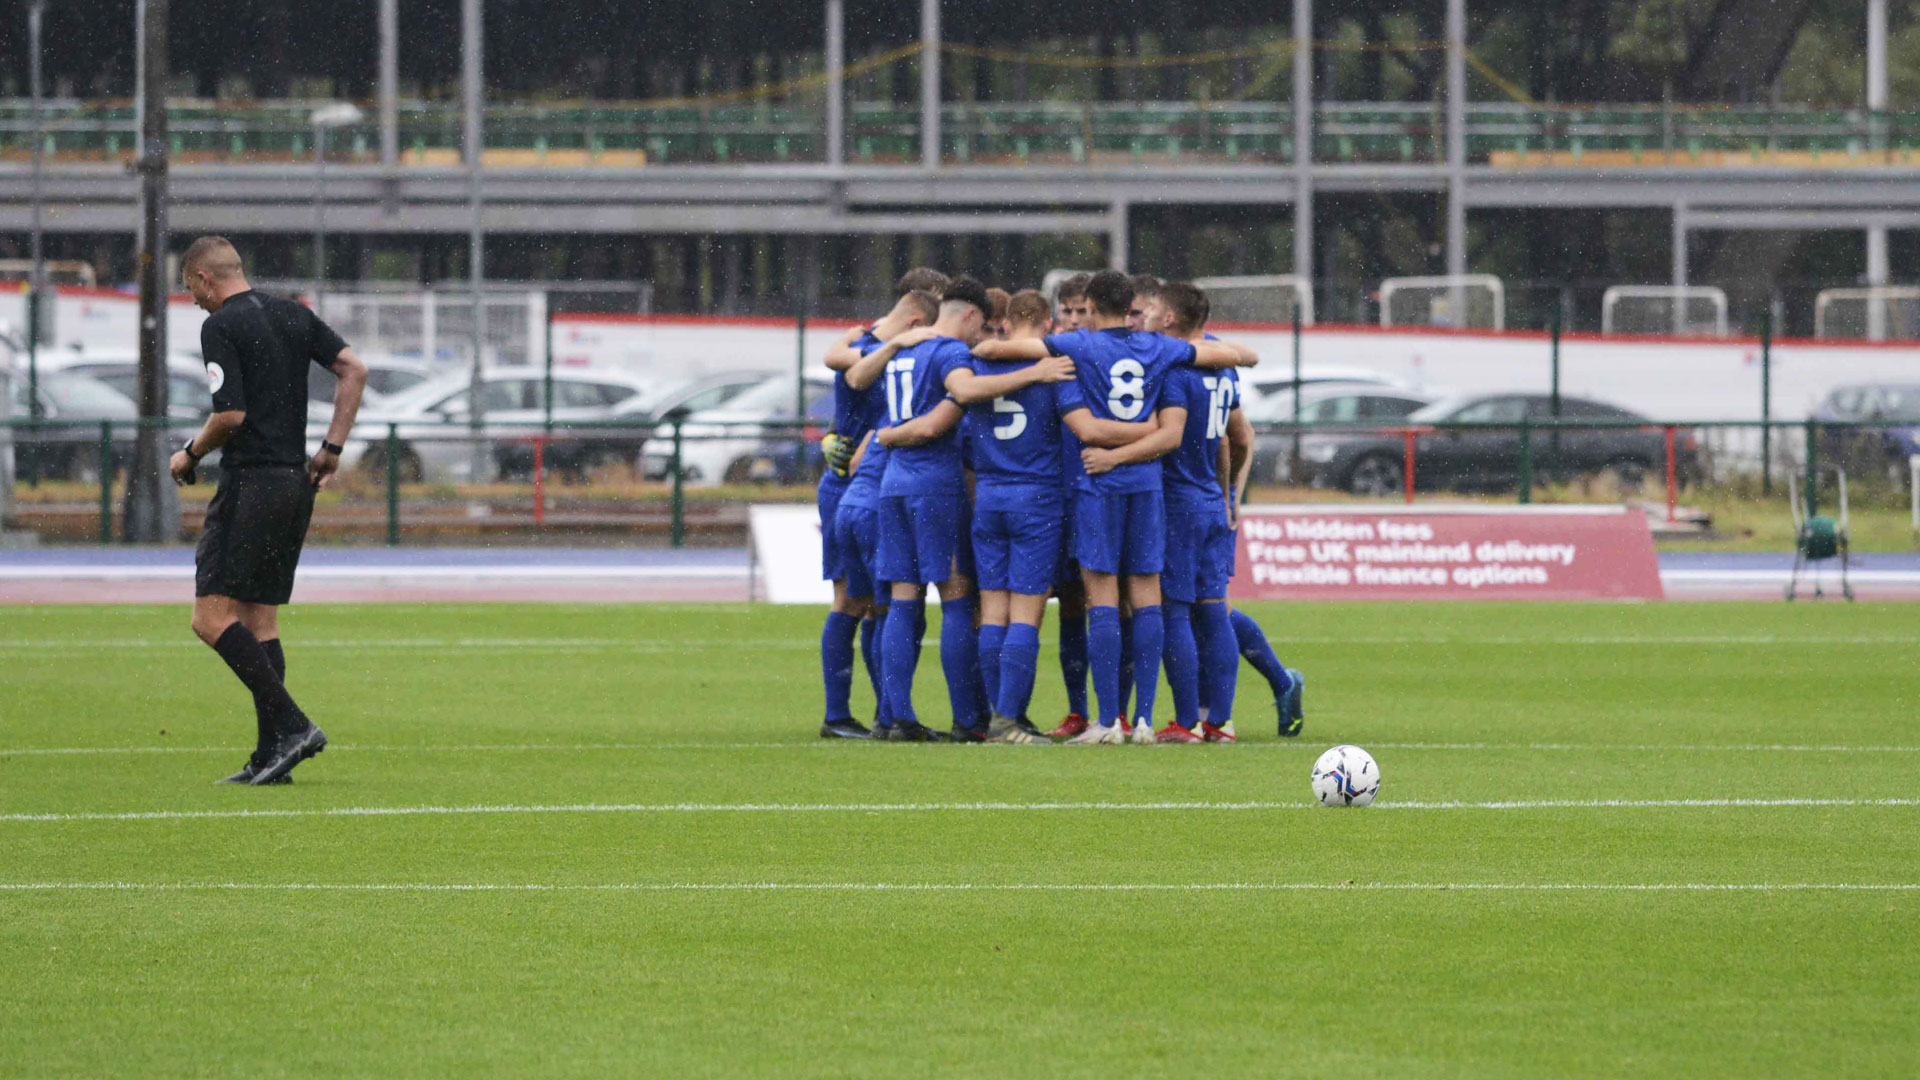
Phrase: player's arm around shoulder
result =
(921, 430)
(1011, 349)
(1223, 354)
(866, 371)
(842, 355)
(969, 387)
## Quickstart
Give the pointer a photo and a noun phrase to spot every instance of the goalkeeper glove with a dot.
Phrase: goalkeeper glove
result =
(839, 453)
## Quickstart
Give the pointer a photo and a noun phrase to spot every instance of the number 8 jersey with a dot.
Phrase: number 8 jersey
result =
(1118, 376)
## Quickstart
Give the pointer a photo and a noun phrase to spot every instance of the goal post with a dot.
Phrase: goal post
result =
(1259, 298)
(1873, 313)
(1461, 301)
(1681, 310)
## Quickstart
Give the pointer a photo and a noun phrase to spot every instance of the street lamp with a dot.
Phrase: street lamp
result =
(324, 119)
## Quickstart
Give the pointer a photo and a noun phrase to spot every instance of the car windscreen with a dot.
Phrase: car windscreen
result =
(76, 397)
(1900, 403)
(774, 398)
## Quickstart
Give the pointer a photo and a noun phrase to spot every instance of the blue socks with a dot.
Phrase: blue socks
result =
(1019, 665)
(1253, 646)
(836, 662)
(899, 654)
(870, 646)
(960, 659)
(1126, 663)
(1103, 659)
(991, 639)
(1220, 661)
(1073, 661)
(1183, 664)
(1149, 641)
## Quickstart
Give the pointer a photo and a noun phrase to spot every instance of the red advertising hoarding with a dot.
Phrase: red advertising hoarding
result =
(1445, 553)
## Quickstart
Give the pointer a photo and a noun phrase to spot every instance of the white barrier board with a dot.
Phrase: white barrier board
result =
(786, 554)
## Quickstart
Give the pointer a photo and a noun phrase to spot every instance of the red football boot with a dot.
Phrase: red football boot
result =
(1175, 733)
(1217, 734)
(1073, 725)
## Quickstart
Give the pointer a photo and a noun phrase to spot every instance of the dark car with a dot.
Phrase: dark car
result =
(1331, 403)
(1891, 412)
(1373, 462)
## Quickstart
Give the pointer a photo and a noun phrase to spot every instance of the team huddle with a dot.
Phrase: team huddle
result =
(1006, 451)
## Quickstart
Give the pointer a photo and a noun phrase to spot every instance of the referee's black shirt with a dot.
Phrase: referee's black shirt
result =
(257, 349)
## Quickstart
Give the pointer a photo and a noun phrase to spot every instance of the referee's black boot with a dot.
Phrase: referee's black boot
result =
(289, 749)
(246, 775)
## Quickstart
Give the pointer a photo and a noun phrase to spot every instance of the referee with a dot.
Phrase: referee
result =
(257, 348)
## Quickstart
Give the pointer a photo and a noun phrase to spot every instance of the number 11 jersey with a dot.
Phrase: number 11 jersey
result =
(1118, 376)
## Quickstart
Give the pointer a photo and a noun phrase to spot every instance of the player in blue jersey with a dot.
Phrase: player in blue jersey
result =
(856, 413)
(929, 380)
(1120, 523)
(1018, 516)
(1070, 313)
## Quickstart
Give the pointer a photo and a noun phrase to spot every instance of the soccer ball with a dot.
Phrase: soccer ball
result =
(1345, 776)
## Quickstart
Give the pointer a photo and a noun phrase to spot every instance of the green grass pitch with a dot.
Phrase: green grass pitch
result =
(629, 777)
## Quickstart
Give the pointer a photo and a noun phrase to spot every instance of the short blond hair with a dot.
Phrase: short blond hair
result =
(214, 254)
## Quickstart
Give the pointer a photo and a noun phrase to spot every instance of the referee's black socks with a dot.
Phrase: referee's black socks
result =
(262, 719)
(254, 666)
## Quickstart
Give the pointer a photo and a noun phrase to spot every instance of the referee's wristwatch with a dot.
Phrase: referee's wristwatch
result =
(332, 448)
(187, 449)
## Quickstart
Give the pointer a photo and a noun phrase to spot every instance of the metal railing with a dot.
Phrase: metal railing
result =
(583, 134)
(633, 483)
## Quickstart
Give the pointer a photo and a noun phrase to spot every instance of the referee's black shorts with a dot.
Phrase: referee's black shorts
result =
(256, 525)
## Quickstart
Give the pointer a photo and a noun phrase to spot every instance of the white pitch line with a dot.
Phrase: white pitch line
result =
(888, 886)
(823, 744)
(923, 807)
(561, 644)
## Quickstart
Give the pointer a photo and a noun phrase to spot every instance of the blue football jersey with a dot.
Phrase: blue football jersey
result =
(916, 384)
(1192, 471)
(1119, 376)
(856, 412)
(863, 490)
(1015, 443)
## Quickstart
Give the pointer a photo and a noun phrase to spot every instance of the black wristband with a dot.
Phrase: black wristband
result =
(188, 450)
(332, 448)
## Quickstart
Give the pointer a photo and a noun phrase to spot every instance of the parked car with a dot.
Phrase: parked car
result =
(387, 376)
(433, 437)
(633, 421)
(1323, 403)
(72, 406)
(730, 444)
(188, 399)
(1893, 412)
(1373, 462)
(1275, 378)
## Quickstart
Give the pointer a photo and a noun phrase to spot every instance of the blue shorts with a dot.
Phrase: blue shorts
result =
(832, 561)
(1017, 550)
(1066, 570)
(1200, 552)
(920, 537)
(856, 530)
(1121, 534)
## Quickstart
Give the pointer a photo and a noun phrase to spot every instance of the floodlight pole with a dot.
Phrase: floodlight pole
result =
(37, 282)
(319, 216)
(152, 509)
(930, 84)
(471, 42)
(1303, 140)
(389, 83)
(1457, 157)
(836, 83)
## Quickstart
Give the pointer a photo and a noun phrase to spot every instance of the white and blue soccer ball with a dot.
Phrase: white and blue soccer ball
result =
(1345, 776)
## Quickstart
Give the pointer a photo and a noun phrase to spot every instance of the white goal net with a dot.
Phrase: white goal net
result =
(1272, 298)
(1876, 313)
(1465, 301)
(1684, 310)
